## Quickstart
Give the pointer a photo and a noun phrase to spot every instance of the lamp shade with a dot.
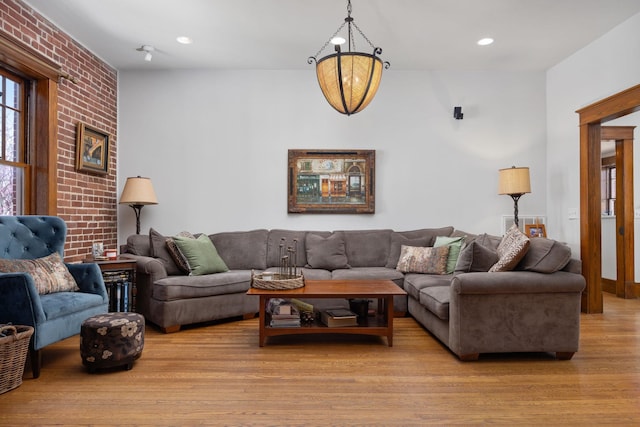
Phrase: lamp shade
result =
(349, 80)
(138, 191)
(514, 180)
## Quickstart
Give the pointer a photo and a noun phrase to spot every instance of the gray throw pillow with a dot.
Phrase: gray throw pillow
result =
(545, 256)
(159, 250)
(327, 253)
(476, 257)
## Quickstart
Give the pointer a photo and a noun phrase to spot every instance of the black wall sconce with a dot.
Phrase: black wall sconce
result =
(457, 113)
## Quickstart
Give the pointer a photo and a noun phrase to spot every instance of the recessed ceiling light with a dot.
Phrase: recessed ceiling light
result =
(486, 41)
(184, 40)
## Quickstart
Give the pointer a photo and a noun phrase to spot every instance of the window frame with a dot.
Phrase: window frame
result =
(42, 121)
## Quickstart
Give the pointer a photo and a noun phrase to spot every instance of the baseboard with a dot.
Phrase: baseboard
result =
(609, 285)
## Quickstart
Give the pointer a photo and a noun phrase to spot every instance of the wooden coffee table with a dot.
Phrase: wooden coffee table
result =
(382, 324)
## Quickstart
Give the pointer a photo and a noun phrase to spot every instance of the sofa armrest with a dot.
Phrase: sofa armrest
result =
(519, 311)
(89, 279)
(147, 266)
(19, 300)
(517, 282)
(148, 271)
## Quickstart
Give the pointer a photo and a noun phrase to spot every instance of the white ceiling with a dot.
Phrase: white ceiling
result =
(282, 34)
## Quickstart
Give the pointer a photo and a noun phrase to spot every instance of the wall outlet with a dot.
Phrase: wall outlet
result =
(573, 213)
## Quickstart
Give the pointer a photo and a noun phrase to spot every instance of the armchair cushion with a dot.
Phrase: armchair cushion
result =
(50, 274)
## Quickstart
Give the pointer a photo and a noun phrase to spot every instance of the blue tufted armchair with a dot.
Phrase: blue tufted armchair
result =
(55, 316)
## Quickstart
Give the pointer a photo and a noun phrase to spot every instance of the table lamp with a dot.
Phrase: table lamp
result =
(514, 182)
(138, 191)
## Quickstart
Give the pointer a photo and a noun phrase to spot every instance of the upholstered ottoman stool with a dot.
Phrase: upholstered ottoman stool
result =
(111, 339)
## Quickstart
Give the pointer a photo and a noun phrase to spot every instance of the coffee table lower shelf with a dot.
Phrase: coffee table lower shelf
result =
(375, 326)
(380, 325)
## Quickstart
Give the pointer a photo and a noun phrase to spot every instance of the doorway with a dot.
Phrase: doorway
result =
(623, 285)
(591, 118)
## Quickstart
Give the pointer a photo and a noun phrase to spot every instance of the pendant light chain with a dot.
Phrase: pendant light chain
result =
(349, 79)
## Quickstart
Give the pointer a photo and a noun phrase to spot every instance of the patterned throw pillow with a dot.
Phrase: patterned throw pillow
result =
(176, 255)
(512, 248)
(423, 260)
(49, 274)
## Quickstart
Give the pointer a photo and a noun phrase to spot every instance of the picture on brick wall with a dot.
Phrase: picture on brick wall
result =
(331, 181)
(92, 150)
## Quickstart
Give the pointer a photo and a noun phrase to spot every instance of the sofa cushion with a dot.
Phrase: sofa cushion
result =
(488, 240)
(367, 248)
(511, 250)
(50, 274)
(423, 260)
(242, 250)
(139, 244)
(201, 255)
(545, 256)
(455, 244)
(368, 273)
(397, 240)
(476, 257)
(328, 253)
(436, 300)
(430, 233)
(187, 287)
(158, 249)
(273, 246)
(415, 282)
(467, 236)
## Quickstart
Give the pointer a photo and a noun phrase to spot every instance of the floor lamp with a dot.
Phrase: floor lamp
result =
(138, 191)
(514, 182)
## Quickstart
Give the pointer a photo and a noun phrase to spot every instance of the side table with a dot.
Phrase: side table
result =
(120, 279)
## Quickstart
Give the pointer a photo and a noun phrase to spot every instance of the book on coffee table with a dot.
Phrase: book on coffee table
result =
(339, 317)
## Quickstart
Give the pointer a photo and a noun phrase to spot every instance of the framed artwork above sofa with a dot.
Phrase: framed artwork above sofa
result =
(331, 181)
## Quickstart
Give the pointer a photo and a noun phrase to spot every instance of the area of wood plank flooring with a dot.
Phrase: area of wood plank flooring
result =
(217, 375)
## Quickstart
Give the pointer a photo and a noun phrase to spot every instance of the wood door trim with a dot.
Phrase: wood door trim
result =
(591, 116)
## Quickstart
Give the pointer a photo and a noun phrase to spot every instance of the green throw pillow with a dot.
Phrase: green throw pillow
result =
(201, 255)
(455, 244)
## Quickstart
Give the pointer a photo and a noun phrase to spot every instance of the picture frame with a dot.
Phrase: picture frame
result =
(331, 181)
(535, 230)
(92, 150)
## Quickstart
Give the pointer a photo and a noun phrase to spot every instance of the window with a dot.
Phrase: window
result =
(608, 188)
(14, 170)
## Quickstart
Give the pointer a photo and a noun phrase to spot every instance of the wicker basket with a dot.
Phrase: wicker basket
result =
(13, 355)
(275, 281)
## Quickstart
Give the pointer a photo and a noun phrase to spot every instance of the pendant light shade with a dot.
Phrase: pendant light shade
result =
(349, 80)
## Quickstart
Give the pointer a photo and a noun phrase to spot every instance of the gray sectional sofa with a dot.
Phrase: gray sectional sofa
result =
(534, 308)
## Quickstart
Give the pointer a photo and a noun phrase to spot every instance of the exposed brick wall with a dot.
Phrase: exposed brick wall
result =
(87, 202)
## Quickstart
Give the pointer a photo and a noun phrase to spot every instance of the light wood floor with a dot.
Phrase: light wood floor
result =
(217, 375)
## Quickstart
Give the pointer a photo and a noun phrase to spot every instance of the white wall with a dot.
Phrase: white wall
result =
(215, 145)
(603, 68)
